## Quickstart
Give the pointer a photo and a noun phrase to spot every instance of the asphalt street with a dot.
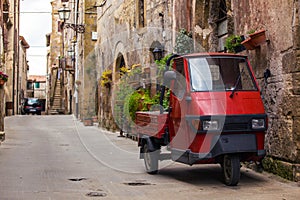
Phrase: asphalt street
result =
(57, 157)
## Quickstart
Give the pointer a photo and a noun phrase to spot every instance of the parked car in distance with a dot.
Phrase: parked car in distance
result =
(31, 105)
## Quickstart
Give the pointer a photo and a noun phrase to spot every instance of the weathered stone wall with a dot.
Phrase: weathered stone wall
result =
(120, 34)
(2, 102)
(280, 55)
(89, 66)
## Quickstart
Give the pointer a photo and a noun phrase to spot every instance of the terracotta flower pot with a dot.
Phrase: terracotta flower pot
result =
(2, 82)
(88, 122)
(258, 37)
(248, 44)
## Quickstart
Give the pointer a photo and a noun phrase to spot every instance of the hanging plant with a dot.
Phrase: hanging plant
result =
(3, 76)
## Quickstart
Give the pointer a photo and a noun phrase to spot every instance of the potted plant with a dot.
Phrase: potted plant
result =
(233, 44)
(255, 39)
(258, 37)
(3, 78)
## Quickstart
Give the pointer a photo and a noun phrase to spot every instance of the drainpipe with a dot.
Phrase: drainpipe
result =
(76, 95)
(163, 87)
(15, 31)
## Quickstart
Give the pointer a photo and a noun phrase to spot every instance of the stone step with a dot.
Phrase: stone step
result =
(56, 105)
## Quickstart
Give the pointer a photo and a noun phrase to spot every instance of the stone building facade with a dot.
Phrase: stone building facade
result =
(86, 70)
(12, 51)
(55, 47)
(281, 56)
(128, 31)
(12, 56)
(23, 71)
(2, 68)
(71, 58)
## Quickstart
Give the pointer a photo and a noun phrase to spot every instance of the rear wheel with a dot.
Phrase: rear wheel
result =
(231, 169)
(151, 160)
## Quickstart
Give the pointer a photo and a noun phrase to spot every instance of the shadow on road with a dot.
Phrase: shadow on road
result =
(209, 175)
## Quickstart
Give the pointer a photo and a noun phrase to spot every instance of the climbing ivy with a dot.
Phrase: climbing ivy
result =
(184, 42)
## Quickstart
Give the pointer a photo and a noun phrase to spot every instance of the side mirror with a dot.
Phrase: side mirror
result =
(169, 76)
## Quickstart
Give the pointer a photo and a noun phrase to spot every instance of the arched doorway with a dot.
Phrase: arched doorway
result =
(120, 62)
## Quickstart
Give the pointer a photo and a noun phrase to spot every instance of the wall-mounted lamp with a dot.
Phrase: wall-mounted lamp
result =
(71, 52)
(64, 14)
(101, 4)
(158, 53)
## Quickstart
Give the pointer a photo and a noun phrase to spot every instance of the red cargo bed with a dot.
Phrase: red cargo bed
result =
(151, 123)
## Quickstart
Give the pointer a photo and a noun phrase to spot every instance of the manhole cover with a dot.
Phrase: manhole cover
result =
(96, 194)
(137, 183)
(77, 179)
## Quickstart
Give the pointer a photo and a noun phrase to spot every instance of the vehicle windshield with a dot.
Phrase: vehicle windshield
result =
(220, 73)
(32, 101)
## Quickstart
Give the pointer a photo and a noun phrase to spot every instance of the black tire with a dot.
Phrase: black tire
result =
(231, 169)
(151, 160)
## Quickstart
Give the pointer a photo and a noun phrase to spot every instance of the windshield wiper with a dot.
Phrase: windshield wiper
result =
(236, 84)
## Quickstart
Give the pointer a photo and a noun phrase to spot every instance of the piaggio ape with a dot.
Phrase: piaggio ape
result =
(215, 115)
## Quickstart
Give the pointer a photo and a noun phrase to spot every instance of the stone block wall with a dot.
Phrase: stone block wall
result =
(280, 54)
(120, 34)
(88, 67)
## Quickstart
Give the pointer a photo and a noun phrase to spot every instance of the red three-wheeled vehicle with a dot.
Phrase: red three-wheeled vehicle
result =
(215, 115)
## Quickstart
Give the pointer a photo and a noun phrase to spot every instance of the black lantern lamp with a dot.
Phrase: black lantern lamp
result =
(64, 13)
(71, 52)
(158, 53)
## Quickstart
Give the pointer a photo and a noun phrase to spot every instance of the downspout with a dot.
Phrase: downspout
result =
(163, 87)
(14, 59)
(76, 61)
(18, 62)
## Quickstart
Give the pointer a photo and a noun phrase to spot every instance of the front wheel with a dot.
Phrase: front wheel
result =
(151, 160)
(231, 169)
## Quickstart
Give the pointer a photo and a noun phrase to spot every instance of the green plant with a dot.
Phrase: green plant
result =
(135, 69)
(251, 31)
(124, 108)
(161, 66)
(129, 100)
(134, 104)
(184, 42)
(233, 42)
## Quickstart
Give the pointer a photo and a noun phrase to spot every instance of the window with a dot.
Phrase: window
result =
(36, 85)
(179, 87)
(141, 13)
(222, 23)
(223, 10)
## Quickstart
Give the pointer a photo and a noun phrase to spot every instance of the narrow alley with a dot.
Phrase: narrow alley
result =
(57, 157)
